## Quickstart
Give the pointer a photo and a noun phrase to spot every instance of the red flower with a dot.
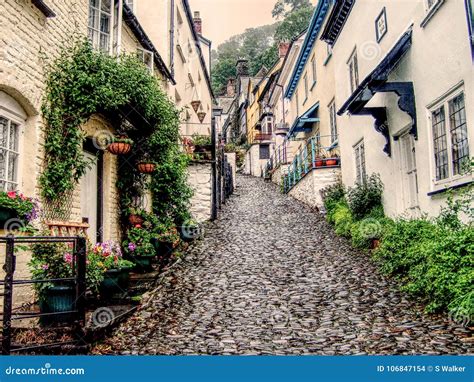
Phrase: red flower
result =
(12, 194)
(138, 226)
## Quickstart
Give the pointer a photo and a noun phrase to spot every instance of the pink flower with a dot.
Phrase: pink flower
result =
(68, 258)
(45, 267)
(11, 194)
(132, 247)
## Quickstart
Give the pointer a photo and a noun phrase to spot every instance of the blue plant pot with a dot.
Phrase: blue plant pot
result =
(115, 282)
(57, 299)
(6, 214)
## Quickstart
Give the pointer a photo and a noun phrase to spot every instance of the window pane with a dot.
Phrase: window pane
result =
(440, 143)
(458, 127)
(94, 3)
(104, 23)
(3, 164)
(13, 139)
(3, 132)
(93, 18)
(12, 166)
(104, 42)
(105, 6)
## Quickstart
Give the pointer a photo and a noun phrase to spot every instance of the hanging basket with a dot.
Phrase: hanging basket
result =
(201, 115)
(146, 168)
(119, 148)
(195, 105)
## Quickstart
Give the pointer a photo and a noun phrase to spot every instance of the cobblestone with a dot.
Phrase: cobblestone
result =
(271, 277)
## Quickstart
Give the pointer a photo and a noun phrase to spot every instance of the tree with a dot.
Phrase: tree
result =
(295, 23)
(283, 8)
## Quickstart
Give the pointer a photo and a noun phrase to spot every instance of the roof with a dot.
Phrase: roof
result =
(336, 20)
(132, 22)
(189, 16)
(45, 10)
(315, 26)
(305, 122)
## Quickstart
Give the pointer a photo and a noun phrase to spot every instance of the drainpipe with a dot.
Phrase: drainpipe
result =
(172, 39)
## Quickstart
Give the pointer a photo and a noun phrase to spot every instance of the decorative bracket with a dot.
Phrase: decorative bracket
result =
(381, 124)
(406, 102)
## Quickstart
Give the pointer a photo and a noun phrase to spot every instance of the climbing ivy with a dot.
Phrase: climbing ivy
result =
(82, 82)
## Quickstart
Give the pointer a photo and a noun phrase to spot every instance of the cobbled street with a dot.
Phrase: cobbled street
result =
(271, 277)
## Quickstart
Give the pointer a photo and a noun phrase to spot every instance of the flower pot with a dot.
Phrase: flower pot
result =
(331, 162)
(146, 168)
(5, 215)
(57, 299)
(143, 263)
(201, 115)
(119, 148)
(135, 220)
(195, 105)
(319, 163)
(115, 282)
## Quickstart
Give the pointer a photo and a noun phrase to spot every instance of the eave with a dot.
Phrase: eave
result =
(336, 21)
(316, 24)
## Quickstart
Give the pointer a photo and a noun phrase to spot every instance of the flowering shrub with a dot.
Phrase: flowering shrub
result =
(109, 256)
(26, 208)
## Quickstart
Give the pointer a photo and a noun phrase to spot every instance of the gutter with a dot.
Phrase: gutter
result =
(45, 10)
(132, 22)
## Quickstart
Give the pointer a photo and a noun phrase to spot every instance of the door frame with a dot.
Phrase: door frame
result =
(92, 149)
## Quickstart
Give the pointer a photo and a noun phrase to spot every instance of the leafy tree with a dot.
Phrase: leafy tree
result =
(295, 23)
(283, 8)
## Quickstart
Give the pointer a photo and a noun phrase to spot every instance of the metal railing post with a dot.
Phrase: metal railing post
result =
(9, 267)
(81, 278)
(313, 153)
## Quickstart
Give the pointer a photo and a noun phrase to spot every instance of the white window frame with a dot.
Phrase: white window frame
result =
(142, 53)
(333, 122)
(360, 162)
(95, 33)
(353, 67)
(12, 112)
(444, 101)
(431, 8)
(314, 71)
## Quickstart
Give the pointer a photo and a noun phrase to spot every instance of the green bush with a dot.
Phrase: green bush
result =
(364, 197)
(372, 227)
(342, 218)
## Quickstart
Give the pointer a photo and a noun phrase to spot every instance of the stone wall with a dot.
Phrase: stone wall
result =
(308, 189)
(200, 180)
(232, 160)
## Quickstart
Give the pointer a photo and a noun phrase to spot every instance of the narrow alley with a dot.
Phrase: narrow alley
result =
(271, 277)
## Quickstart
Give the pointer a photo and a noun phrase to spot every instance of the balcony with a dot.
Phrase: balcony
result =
(262, 137)
(313, 156)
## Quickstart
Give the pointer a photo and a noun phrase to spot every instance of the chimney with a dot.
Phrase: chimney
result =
(283, 49)
(197, 22)
(230, 87)
(242, 68)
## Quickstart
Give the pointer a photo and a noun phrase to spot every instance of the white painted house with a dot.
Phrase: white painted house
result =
(405, 94)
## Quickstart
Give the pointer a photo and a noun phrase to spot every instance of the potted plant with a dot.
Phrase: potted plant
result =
(55, 262)
(202, 143)
(319, 162)
(146, 165)
(332, 161)
(138, 245)
(121, 145)
(14, 205)
(116, 269)
(135, 217)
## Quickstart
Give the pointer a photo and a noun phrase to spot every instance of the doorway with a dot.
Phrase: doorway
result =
(409, 171)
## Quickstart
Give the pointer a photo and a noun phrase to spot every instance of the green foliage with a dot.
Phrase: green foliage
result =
(26, 208)
(201, 140)
(342, 219)
(284, 8)
(365, 196)
(295, 23)
(82, 82)
(332, 195)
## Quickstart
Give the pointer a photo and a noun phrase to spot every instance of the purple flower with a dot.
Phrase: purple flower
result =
(45, 267)
(132, 247)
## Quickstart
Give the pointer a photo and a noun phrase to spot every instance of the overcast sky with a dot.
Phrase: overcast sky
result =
(222, 19)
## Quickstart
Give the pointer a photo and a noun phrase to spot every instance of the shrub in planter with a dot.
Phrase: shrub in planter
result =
(202, 143)
(364, 197)
(55, 261)
(138, 245)
(116, 269)
(14, 205)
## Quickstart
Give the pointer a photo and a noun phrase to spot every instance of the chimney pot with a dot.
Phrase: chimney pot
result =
(197, 22)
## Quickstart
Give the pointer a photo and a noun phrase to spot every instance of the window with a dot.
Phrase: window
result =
(264, 152)
(297, 100)
(313, 70)
(146, 56)
(333, 121)
(359, 152)
(305, 87)
(381, 25)
(9, 136)
(353, 71)
(268, 125)
(450, 142)
(100, 15)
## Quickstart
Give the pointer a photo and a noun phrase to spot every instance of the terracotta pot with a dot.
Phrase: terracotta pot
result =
(119, 148)
(195, 105)
(146, 168)
(201, 115)
(135, 220)
(319, 163)
(331, 162)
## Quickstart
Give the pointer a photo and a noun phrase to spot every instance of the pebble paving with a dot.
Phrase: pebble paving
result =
(271, 277)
